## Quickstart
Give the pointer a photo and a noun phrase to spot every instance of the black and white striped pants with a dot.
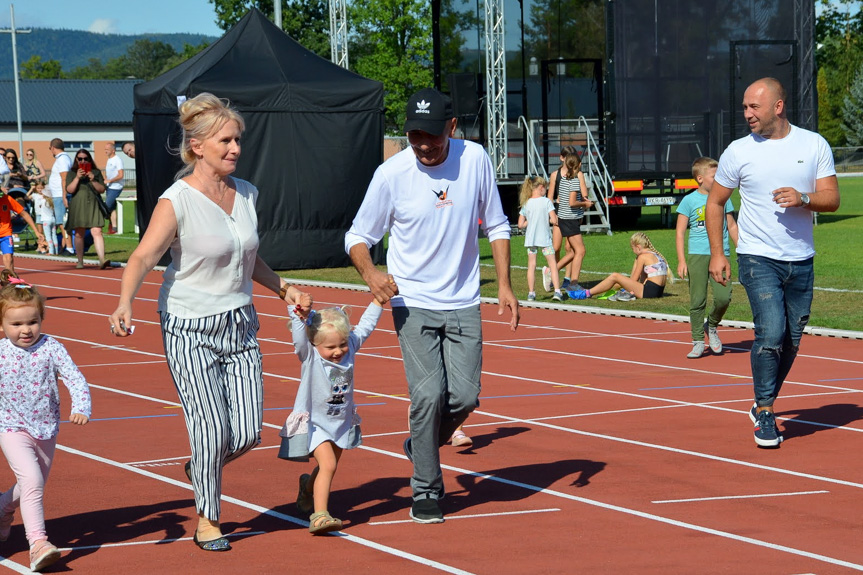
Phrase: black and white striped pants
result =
(215, 362)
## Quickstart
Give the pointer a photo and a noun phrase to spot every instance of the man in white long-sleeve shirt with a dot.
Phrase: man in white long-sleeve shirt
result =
(433, 198)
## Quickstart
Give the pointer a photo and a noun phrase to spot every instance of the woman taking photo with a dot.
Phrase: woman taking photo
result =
(209, 326)
(86, 184)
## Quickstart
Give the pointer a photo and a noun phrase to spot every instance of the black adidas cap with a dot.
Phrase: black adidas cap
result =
(428, 110)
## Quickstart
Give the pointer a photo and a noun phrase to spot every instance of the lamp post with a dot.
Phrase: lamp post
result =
(14, 32)
(523, 66)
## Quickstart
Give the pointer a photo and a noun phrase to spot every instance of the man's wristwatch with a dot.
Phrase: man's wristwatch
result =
(805, 199)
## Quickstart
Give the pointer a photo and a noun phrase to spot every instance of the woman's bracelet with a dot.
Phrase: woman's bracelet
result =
(283, 291)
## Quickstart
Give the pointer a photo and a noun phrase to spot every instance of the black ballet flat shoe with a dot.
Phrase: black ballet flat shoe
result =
(220, 544)
(188, 469)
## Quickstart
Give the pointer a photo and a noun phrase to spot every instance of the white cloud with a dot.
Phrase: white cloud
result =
(103, 26)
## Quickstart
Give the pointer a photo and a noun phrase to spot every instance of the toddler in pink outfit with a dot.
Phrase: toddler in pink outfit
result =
(30, 409)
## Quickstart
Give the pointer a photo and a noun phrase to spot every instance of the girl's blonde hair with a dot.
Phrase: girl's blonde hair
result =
(328, 320)
(16, 293)
(641, 240)
(527, 188)
(572, 161)
(200, 118)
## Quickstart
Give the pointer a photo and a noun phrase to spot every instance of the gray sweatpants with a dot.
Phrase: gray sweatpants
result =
(442, 353)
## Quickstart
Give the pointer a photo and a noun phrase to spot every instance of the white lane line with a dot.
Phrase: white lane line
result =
(698, 499)
(474, 516)
(12, 566)
(642, 514)
(269, 512)
(567, 429)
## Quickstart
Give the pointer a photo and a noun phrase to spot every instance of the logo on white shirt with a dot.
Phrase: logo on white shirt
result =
(441, 196)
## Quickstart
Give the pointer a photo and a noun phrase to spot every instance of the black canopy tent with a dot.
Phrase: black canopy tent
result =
(314, 136)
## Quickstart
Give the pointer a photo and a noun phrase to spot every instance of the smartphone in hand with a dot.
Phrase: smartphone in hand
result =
(85, 166)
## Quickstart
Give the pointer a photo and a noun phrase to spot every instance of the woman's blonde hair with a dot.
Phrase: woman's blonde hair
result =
(328, 320)
(527, 188)
(200, 118)
(16, 293)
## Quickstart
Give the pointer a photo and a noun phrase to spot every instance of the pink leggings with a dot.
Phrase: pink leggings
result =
(30, 460)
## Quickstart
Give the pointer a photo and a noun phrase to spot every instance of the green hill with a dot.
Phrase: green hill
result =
(73, 48)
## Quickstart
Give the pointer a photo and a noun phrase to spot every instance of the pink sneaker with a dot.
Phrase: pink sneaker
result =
(42, 554)
(459, 439)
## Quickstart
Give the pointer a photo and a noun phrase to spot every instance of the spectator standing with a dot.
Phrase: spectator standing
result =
(57, 188)
(114, 179)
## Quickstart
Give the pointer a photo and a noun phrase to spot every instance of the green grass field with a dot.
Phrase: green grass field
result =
(838, 265)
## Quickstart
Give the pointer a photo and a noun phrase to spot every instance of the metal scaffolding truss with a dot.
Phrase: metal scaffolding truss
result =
(804, 11)
(339, 33)
(495, 85)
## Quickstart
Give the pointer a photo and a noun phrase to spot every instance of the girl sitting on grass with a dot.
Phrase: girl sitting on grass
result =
(647, 280)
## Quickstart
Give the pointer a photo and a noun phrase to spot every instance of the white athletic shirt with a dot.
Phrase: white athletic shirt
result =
(757, 166)
(213, 255)
(432, 215)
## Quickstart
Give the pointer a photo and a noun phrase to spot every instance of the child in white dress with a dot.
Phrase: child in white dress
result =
(324, 421)
(30, 410)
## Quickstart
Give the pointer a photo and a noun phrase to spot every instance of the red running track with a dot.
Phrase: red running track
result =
(598, 448)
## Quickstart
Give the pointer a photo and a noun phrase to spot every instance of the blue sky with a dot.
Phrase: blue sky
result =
(115, 16)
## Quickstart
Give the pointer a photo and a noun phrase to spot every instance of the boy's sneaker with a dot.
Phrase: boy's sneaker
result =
(42, 554)
(765, 430)
(566, 284)
(697, 350)
(546, 278)
(557, 296)
(713, 339)
(426, 510)
(577, 294)
(531, 296)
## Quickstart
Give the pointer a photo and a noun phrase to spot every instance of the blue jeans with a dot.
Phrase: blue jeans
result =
(780, 294)
(111, 196)
(442, 352)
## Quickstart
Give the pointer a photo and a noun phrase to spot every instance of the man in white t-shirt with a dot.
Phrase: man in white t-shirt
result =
(114, 182)
(784, 174)
(433, 198)
(57, 180)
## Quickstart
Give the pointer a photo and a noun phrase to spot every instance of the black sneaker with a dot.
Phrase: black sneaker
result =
(426, 510)
(765, 430)
(753, 415)
(407, 448)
